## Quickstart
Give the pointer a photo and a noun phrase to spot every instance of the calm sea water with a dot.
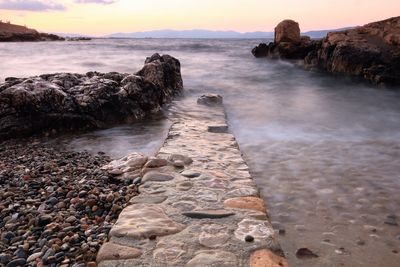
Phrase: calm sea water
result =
(324, 150)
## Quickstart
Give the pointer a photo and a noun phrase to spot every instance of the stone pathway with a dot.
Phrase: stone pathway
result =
(198, 205)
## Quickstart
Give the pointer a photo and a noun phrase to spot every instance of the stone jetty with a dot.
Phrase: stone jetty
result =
(198, 205)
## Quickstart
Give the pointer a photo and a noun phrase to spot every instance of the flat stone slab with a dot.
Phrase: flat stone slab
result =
(110, 251)
(198, 205)
(140, 221)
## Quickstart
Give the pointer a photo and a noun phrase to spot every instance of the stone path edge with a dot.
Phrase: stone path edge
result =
(198, 204)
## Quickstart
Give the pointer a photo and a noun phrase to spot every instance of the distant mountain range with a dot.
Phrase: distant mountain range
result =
(211, 34)
(204, 34)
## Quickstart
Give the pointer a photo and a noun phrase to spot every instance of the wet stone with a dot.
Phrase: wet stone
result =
(190, 174)
(213, 258)
(218, 128)
(184, 186)
(148, 199)
(214, 235)
(210, 100)
(112, 251)
(251, 203)
(266, 258)
(259, 229)
(156, 177)
(139, 221)
(208, 214)
(305, 253)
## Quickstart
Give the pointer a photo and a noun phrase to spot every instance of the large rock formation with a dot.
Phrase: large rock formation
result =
(371, 51)
(16, 33)
(288, 43)
(66, 101)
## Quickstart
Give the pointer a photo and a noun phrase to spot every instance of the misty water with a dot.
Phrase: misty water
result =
(324, 150)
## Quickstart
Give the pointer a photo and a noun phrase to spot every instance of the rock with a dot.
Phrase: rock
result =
(66, 101)
(218, 129)
(139, 221)
(112, 251)
(44, 220)
(184, 186)
(156, 177)
(165, 73)
(71, 219)
(16, 262)
(190, 173)
(305, 253)
(266, 258)
(249, 238)
(210, 100)
(242, 192)
(5, 258)
(261, 50)
(287, 31)
(213, 258)
(168, 252)
(34, 256)
(16, 33)
(251, 203)
(176, 157)
(213, 235)
(391, 220)
(208, 214)
(156, 163)
(148, 199)
(258, 229)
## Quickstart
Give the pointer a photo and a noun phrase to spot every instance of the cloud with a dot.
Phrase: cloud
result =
(30, 5)
(103, 2)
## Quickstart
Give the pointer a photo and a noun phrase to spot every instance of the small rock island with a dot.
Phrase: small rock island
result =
(371, 52)
(16, 33)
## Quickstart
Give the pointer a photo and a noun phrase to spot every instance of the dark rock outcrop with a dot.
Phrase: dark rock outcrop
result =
(68, 101)
(288, 43)
(16, 33)
(371, 51)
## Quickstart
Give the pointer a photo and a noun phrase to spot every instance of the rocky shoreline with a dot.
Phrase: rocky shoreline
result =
(16, 33)
(371, 52)
(56, 207)
(60, 102)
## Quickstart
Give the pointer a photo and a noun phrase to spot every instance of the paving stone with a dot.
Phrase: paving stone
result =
(213, 258)
(242, 192)
(156, 163)
(184, 186)
(190, 174)
(112, 251)
(145, 199)
(214, 235)
(156, 177)
(266, 258)
(140, 221)
(259, 229)
(210, 214)
(168, 252)
(250, 203)
(185, 205)
(177, 157)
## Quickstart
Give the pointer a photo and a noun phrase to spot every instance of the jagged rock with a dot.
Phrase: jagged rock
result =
(371, 52)
(66, 101)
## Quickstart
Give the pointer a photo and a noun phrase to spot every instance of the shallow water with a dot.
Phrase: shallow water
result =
(324, 150)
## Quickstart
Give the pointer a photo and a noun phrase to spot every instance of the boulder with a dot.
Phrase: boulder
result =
(287, 31)
(16, 33)
(70, 101)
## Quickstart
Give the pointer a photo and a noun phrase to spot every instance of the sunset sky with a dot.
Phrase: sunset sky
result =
(99, 17)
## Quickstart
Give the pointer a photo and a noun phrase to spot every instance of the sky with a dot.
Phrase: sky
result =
(101, 17)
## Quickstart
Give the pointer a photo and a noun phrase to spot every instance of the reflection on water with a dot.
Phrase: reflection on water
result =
(325, 151)
(144, 137)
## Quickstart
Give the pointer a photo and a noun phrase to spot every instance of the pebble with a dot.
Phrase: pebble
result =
(249, 238)
(48, 213)
(305, 253)
(190, 174)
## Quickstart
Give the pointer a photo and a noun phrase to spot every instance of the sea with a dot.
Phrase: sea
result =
(323, 149)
